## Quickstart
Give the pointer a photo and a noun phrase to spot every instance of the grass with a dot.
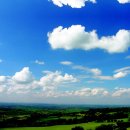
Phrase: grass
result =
(86, 126)
(124, 119)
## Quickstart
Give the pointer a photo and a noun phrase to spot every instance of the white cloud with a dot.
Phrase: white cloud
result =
(54, 79)
(50, 83)
(39, 62)
(84, 92)
(119, 75)
(24, 76)
(2, 79)
(19, 88)
(122, 72)
(80, 67)
(99, 91)
(23, 82)
(121, 91)
(97, 73)
(79, 3)
(123, 1)
(103, 77)
(94, 71)
(4, 83)
(75, 37)
(90, 92)
(66, 63)
(113, 77)
(72, 3)
(124, 69)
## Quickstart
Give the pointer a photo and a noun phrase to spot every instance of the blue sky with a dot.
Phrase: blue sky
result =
(77, 53)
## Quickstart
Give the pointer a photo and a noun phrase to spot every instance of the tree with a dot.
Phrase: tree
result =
(78, 128)
(105, 127)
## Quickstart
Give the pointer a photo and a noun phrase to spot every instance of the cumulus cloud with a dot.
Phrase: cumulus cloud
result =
(122, 72)
(96, 71)
(121, 91)
(24, 82)
(91, 92)
(19, 89)
(2, 79)
(75, 37)
(113, 77)
(66, 63)
(53, 79)
(119, 75)
(49, 85)
(39, 62)
(72, 3)
(79, 3)
(24, 76)
(123, 1)
(84, 92)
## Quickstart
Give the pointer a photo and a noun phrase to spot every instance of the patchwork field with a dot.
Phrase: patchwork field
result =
(63, 117)
(86, 126)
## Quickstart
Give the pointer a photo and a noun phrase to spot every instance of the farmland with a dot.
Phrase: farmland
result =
(62, 117)
(86, 126)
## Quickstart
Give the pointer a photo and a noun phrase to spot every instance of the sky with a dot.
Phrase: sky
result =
(65, 51)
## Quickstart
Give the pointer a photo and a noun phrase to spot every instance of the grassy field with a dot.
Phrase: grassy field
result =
(123, 119)
(61, 127)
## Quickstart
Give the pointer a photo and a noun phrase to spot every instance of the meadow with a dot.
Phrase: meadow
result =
(63, 117)
(86, 126)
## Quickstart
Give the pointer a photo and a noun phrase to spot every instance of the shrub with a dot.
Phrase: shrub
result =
(105, 127)
(78, 128)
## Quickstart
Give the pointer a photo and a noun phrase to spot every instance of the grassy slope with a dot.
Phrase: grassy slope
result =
(60, 127)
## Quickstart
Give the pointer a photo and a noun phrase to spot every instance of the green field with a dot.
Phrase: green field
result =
(61, 118)
(86, 126)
